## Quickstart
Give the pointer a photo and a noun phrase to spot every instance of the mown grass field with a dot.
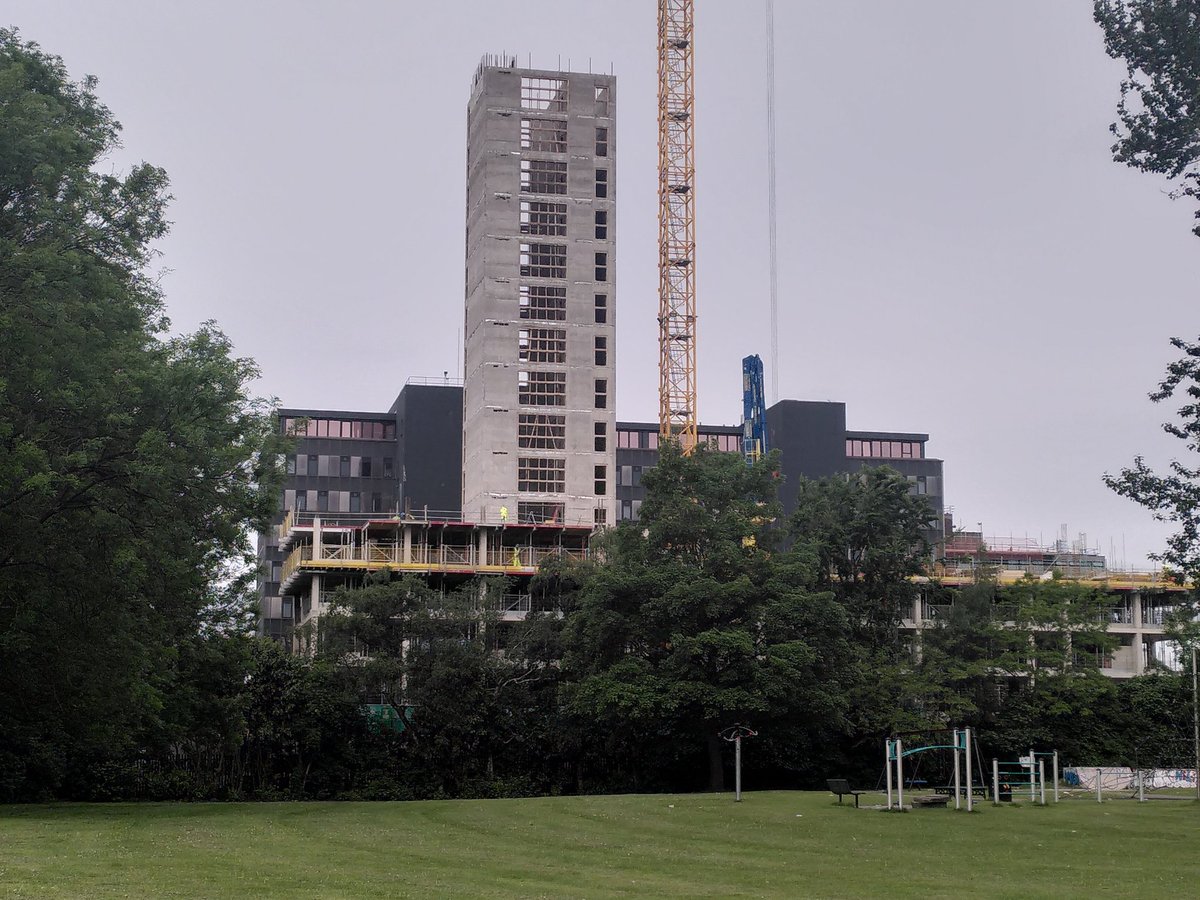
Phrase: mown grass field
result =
(698, 845)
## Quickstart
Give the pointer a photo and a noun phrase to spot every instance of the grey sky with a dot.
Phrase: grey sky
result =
(958, 254)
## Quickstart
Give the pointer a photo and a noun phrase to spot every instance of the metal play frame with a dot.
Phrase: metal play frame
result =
(895, 754)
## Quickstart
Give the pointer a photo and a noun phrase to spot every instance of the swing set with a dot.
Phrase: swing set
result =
(961, 746)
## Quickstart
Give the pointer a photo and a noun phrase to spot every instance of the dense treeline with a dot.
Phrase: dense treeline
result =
(697, 617)
(134, 466)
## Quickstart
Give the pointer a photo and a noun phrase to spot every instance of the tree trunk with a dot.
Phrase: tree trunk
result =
(716, 766)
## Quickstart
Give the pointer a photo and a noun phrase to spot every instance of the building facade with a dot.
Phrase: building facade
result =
(358, 466)
(539, 393)
(813, 442)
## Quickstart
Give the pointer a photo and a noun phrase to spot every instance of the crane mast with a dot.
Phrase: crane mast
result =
(676, 225)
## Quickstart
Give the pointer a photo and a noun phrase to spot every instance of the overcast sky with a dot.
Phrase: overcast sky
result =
(958, 253)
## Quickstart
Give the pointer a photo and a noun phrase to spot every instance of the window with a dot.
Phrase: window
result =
(884, 449)
(543, 176)
(601, 267)
(542, 388)
(626, 439)
(601, 437)
(537, 431)
(539, 513)
(626, 511)
(322, 501)
(544, 260)
(601, 393)
(544, 135)
(601, 309)
(339, 428)
(291, 464)
(542, 345)
(601, 225)
(541, 475)
(376, 502)
(355, 501)
(600, 516)
(543, 301)
(601, 182)
(636, 474)
(602, 351)
(539, 217)
(387, 467)
(286, 607)
(544, 94)
(603, 96)
(602, 142)
(344, 467)
(314, 462)
(726, 443)
(366, 467)
(601, 479)
(301, 501)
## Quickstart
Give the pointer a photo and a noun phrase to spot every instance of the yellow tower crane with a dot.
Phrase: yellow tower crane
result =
(676, 225)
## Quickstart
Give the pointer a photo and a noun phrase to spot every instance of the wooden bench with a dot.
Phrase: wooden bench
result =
(841, 786)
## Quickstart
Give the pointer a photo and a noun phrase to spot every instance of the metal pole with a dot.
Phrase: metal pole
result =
(887, 762)
(957, 779)
(1196, 720)
(1042, 778)
(1099, 796)
(1141, 786)
(995, 780)
(899, 773)
(1032, 777)
(1055, 776)
(737, 769)
(970, 793)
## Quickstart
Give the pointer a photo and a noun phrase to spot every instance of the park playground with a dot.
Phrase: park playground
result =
(773, 844)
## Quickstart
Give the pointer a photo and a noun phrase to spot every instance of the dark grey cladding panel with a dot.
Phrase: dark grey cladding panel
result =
(429, 430)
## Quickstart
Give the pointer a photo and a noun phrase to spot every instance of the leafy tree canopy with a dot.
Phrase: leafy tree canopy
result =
(1159, 111)
(132, 463)
(1174, 495)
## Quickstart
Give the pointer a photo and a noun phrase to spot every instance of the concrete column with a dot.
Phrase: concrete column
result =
(482, 547)
(318, 550)
(1139, 645)
(407, 555)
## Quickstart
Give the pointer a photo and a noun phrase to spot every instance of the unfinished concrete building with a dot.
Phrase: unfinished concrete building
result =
(539, 376)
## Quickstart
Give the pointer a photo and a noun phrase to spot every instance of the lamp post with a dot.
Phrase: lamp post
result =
(1196, 720)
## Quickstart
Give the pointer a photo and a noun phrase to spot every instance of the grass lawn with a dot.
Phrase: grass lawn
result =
(771, 844)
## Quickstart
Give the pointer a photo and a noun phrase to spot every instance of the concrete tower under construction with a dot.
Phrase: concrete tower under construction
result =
(539, 394)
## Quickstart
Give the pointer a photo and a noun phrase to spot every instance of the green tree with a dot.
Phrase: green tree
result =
(958, 676)
(478, 694)
(132, 463)
(695, 620)
(1175, 495)
(1159, 110)
(867, 532)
